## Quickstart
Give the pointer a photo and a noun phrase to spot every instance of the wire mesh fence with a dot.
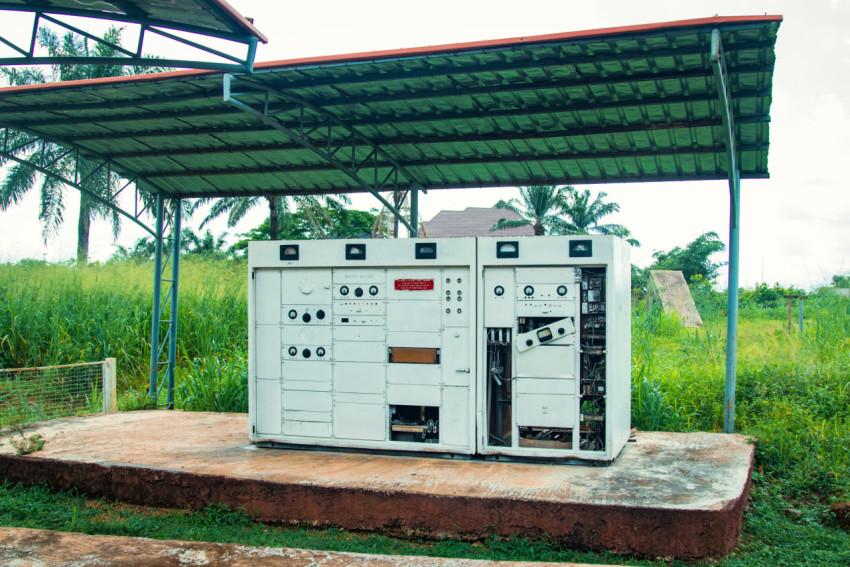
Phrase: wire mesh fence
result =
(40, 394)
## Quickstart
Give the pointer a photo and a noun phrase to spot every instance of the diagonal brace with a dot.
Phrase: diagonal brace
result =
(328, 155)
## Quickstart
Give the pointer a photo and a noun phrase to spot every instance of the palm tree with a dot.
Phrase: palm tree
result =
(311, 207)
(583, 216)
(22, 177)
(539, 206)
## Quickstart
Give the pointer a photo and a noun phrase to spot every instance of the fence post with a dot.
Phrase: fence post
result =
(110, 402)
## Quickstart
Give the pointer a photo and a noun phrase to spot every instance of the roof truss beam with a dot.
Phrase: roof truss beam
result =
(27, 54)
(355, 166)
(496, 159)
(32, 152)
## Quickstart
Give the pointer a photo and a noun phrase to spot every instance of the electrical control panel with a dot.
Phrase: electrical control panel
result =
(363, 344)
(554, 322)
(503, 348)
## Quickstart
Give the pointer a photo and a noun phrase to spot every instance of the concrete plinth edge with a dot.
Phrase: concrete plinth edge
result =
(622, 529)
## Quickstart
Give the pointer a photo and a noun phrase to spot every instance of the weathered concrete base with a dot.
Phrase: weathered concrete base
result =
(43, 548)
(669, 494)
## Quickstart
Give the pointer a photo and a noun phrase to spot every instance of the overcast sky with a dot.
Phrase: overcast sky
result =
(795, 226)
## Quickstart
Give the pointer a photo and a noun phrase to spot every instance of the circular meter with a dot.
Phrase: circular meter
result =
(529, 290)
(562, 290)
(293, 351)
(499, 291)
(293, 314)
(320, 352)
(343, 290)
(373, 290)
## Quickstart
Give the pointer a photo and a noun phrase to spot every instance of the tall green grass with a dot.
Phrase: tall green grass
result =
(56, 314)
(793, 389)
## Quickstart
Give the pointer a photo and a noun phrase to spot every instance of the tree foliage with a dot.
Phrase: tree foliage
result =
(344, 223)
(550, 209)
(539, 206)
(22, 177)
(694, 259)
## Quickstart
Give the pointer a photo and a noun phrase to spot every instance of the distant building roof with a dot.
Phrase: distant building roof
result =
(473, 221)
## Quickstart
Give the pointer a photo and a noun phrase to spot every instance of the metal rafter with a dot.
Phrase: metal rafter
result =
(311, 136)
(42, 164)
(27, 54)
(326, 103)
(413, 119)
(419, 163)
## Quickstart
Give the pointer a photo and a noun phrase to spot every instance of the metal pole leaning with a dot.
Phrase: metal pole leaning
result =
(719, 67)
(175, 277)
(732, 305)
(157, 293)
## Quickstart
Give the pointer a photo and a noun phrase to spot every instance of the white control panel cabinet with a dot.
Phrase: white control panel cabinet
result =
(554, 347)
(363, 344)
(503, 348)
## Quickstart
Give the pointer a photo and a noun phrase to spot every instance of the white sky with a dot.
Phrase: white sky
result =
(795, 226)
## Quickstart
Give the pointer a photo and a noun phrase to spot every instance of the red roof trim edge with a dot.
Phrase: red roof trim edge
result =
(241, 20)
(375, 55)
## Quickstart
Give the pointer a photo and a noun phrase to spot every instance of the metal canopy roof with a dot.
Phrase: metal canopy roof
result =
(636, 103)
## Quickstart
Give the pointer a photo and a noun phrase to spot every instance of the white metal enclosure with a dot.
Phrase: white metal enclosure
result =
(554, 347)
(363, 344)
(516, 347)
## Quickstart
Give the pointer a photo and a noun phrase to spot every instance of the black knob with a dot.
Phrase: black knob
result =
(560, 330)
(320, 352)
(293, 314)
(529, 342)
(306, 353)
(320, 314)
(358, 292)
(562, 290)
(293, 351)
(343, 290)
(373, 290)
(306, 317)
(528, 290)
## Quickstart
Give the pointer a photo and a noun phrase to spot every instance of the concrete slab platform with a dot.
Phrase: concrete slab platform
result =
(669, 494)
(40, 548)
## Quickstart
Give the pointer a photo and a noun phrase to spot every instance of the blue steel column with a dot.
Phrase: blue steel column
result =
(157, 291)
(719, 67)
(175, 278)
(732, 301)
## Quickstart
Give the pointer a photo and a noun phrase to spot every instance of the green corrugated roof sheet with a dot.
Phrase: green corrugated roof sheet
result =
(631, 104)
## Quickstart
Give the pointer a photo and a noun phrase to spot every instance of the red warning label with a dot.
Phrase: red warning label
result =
(414, 285)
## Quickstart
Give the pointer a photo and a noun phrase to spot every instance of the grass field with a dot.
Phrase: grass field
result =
(793, 398)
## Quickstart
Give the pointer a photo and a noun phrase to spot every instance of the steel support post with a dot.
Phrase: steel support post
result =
(719, 67)
(175, 278)
(157, 291)
(414, 212)
(732, 303)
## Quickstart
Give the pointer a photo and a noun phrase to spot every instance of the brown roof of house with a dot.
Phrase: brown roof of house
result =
(473, 221)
